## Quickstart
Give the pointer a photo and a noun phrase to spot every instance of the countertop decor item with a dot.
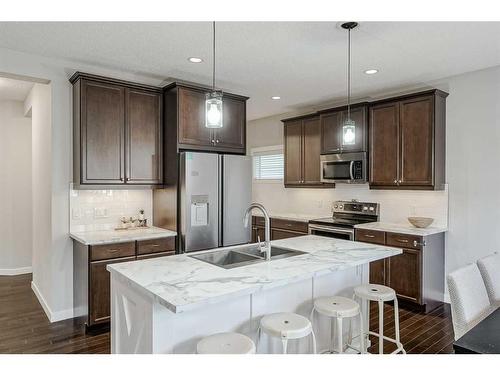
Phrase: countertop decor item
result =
(420, 222)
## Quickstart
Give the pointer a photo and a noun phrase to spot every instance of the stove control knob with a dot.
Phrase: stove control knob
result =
(336, 206)
(341, 207)
(372, 208)
(365, 208)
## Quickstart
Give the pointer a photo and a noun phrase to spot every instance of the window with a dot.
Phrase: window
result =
(268, 163)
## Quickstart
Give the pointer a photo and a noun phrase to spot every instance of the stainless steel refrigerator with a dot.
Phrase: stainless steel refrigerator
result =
(215, 190)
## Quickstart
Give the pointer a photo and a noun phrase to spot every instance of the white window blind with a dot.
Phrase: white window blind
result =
(268, 166)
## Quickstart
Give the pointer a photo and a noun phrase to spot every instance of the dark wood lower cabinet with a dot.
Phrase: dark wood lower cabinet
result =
(417, 275)
(100, 290)
(404, 275)
(280, 229)
(91, 279)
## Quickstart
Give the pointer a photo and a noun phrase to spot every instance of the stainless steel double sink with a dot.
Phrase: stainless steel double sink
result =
(243, 256)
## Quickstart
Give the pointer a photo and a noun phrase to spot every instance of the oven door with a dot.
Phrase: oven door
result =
(343, 168)
(332, 232)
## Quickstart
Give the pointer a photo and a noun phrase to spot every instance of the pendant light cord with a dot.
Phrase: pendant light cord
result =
(213, 71)
(349, 74)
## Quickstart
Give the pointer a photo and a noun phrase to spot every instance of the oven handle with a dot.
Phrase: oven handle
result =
(329, 229)
(351, 169)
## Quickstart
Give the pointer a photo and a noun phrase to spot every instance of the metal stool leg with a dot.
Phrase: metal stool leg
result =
(396, 324)
(285, 343)
(313, 336)
(381, 327)
(362, 341)
(340, 334)
(259, 332)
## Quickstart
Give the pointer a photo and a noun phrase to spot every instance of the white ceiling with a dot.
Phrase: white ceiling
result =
(13, 89)
(303, 62)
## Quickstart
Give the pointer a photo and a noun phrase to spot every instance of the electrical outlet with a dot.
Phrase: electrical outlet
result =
(100, 213)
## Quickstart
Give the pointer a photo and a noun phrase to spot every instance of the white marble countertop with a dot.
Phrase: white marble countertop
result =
(401, 228)
(290, 216)
(181, 283)
(101, 237)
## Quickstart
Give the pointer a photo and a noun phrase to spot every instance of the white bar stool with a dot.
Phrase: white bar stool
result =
(380, 294)
(338, 308)
(286, 326)
(226, 343)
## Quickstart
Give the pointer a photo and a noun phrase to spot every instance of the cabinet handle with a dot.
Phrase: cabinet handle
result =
(288, 225)
(395, 181)
(155, 245)
(112, 250)
(369, 235)
(402, 241)
(216, 141)
(416, 243)
(213, 141)
(400, 181)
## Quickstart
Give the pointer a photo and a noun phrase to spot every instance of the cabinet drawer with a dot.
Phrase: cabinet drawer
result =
(110, 251)
(258, 220)
(156, 245)
(404, 240)
(278, 234)
(155, 255)
(298, 226)
(371, 236)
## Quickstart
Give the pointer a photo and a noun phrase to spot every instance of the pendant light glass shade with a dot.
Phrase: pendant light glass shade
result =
(349, 133)
(213, 110)
(213, 103)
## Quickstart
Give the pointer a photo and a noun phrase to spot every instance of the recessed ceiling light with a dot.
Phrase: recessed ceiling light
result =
(371, 71)
(275, 97)
(195, 60)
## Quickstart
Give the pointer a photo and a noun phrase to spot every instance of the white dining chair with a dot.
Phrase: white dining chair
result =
(469, 300)
(490, 271)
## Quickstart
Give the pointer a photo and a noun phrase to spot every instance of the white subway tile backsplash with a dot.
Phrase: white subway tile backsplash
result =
(102, 209)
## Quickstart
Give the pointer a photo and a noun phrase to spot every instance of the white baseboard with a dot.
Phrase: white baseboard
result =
(447, 298)
(52, 316)
(15, 271)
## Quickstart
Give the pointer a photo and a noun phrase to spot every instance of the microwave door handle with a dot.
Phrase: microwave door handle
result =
(351, 169)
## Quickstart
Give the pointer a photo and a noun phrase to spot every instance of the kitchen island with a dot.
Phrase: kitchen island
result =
(167, 305)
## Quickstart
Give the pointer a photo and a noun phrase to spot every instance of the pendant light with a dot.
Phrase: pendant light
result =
(349, 126)
(213, 102)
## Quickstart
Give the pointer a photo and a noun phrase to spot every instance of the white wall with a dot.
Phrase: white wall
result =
(103, 209)
(54, 277)
(473, 166)
(15, 189)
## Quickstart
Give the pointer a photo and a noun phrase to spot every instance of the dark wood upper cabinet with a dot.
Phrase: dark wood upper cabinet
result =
(117, 133)
(330, 132)
(102, 133)
(332, 121)
(407, 142)
(192, 130)
(144, 137)
(312, 149)
(384, 145)
(293, 153)
(233, 134)
(302, 140)
(185, 121)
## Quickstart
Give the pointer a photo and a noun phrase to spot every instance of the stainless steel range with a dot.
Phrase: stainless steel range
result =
(346, 214)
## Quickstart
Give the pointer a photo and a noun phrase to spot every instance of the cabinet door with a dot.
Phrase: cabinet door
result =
(143, 137)
(417, 139)
(384, 144)
(359, 116)
(293, 153)
(330, 132)
(232, 135)
(278, 234)
(191, 117)
(377, 272)
(99, 291)
(404, 275)
(311, 152)
(102, 133)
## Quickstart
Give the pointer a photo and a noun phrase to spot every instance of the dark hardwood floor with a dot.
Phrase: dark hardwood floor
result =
(429, 333)
(24, 328)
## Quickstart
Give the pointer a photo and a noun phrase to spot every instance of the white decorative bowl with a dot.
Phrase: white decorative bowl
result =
(420, 222)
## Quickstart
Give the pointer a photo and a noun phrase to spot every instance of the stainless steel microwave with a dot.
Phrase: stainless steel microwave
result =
(349, 168)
